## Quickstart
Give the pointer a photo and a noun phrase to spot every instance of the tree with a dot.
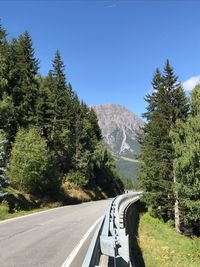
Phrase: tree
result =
(43, 115)
(166, 104)
(45, 107)
(186, 143)
(3, 180)
(18, 84)
(4, 61)
(106, 173)
(7, 114)
(24, 90)
(32, 166)
(54, 112)
(60, 132)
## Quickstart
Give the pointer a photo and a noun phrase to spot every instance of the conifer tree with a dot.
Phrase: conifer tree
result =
(7, 112)
(60, 132)
(24, 91)
(166, 104)
(4, 50)
(19, 85)
(45, 106)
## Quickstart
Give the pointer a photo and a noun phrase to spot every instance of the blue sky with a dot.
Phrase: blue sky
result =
(111, 48)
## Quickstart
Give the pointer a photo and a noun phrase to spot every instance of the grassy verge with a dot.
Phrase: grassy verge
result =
(4, 214)
(20, 203)
(162, 246)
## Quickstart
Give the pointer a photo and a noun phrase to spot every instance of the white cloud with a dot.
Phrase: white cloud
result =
(189, 84)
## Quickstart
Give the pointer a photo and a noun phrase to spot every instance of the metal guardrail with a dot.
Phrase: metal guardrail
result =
(110, 242)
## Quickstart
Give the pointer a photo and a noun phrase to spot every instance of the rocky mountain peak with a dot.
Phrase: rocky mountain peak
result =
(119, 127)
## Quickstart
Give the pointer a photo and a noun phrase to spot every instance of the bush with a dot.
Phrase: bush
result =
(4, 209)
(76, 178)
(32, 165)
(3, 181)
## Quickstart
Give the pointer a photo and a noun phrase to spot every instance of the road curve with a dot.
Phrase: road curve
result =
(46, 239)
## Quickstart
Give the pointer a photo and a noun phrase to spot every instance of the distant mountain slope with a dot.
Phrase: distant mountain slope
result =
(119, 128)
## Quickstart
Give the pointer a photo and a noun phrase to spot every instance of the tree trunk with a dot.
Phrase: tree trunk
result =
(176, 209)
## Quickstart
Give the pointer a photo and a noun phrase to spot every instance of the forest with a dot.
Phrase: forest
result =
(48, 136)
(170, 153)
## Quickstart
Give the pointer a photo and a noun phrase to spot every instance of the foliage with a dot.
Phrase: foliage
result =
(18, 91)
(186, 143)
(166, 104)
(131, 184)
(32, 165)
(4, 209)
(3, 181)
(50, 132)
(76, 178)
(162, 246)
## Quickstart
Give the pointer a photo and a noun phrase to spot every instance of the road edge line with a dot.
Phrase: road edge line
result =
(39, 212)
(76, 249)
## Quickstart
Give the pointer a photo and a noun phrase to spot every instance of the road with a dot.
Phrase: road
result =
(46, 239)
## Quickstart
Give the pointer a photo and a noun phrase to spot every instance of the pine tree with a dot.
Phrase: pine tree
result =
(7, 111)
(4, 61)
(18, 85)
(45, 106)
(60, 131)
(166, 104)
(24, 91)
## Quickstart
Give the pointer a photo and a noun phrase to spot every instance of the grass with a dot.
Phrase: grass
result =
(76, 194)
(6, 214)
(162, 246)
(20, 203)
(129, 159)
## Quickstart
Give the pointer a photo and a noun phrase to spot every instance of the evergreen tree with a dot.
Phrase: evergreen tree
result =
(45, 107)
(84, 142)
(7, 114)
(4, 61)
(19, 85)
(106, 175)
(25, 86)
(60, 132)
(166, 104)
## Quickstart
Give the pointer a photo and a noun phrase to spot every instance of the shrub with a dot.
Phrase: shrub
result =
(76, 178)
(3, 181)
(32, 165)
(4, 209)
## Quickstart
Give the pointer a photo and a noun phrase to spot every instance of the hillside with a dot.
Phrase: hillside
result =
(119, 128)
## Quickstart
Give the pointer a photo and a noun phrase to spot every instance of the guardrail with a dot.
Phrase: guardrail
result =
(110, 243)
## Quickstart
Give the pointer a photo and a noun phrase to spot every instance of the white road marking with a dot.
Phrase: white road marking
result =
(75, 251)
(30, 215)
(38, 212)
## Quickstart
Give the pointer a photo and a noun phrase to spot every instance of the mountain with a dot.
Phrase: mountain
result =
(119, 128)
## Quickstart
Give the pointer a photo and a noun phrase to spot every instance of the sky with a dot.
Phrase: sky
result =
(111, 48)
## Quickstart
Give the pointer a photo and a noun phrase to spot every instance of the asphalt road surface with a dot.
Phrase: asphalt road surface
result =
(47, 239)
